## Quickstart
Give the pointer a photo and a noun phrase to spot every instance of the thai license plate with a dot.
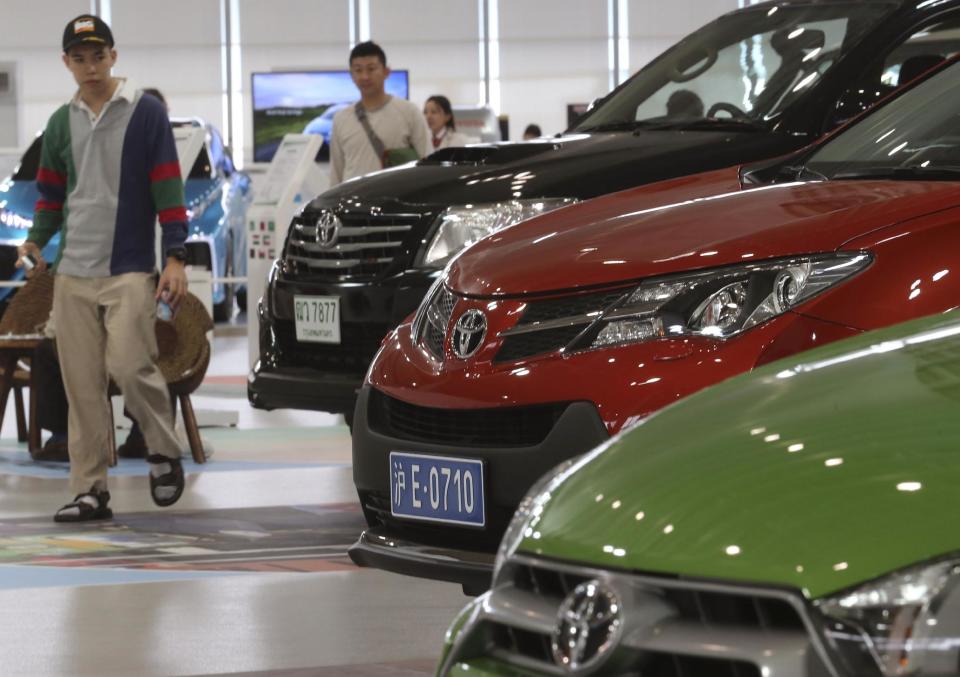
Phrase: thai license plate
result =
(317, 318)
(437, 488)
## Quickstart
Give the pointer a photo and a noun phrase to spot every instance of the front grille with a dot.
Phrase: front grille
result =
(520, 346)
(537, 647)
(502, 427)
(358, 344)
(569, 306)
(366, 245)
(562, 319)
(715, 609)
(431, 330)
(670, 624)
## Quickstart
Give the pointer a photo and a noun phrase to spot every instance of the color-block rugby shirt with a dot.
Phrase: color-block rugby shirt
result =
(104, 185)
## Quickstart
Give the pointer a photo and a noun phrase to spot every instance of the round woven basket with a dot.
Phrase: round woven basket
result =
(182, 343)
(29, 308)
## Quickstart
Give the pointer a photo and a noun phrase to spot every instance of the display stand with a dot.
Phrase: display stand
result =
(292, 180)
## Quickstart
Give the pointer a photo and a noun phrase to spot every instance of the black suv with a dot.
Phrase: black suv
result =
(755, 83)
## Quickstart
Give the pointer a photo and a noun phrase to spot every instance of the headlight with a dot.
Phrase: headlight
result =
(719, 303)
(905, 624)
(461, 226)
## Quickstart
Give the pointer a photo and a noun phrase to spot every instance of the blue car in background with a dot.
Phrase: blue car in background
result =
(18, 195)
(323, 123)
(217, 197)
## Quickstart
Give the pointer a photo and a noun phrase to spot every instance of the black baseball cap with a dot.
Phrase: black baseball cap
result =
(87, 28)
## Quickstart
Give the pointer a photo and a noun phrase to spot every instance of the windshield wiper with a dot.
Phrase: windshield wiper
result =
(622, 126)
(801, 173)
(908, 173)
(728, 124)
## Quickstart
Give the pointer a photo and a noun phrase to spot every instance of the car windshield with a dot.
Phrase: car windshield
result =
(742, 70)
(915, 136)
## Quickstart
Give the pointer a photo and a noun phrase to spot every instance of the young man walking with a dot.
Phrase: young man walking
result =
(108, 168)
(380, 130)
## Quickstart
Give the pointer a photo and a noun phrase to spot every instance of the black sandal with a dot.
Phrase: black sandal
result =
(81, 511)
(174, 479)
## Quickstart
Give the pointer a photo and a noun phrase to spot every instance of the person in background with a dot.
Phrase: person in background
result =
(532, 132)
(684, 104)
(443, 128)
(380, 130)
(108, 168)
(155, 93)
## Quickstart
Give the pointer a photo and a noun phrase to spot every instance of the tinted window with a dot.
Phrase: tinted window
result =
(918, 131)
(29, 163)
(747, 65)
(202, 167)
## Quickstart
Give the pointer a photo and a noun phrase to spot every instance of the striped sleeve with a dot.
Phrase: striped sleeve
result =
(51, 179)
(166, 184)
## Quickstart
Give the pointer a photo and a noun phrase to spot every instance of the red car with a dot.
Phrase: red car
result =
(542, 341)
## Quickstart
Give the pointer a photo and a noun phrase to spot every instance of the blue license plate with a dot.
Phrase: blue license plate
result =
(437, 488)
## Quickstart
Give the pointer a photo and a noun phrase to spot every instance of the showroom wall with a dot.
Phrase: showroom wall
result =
(542, 54)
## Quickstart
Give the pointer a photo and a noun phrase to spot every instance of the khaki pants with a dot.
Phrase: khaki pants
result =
(105, 325)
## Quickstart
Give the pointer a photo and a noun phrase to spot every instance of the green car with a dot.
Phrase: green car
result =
(797, 520)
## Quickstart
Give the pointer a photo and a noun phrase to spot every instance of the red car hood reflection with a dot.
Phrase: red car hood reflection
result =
(686, 225)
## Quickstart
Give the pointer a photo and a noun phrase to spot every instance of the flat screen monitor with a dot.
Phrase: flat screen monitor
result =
(304, 102)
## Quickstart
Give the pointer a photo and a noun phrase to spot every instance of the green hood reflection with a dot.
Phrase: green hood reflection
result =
(818, 472)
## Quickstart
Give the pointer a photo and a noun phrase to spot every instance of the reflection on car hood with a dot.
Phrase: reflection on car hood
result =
(572, 166)
(817, 473)
(661, 229)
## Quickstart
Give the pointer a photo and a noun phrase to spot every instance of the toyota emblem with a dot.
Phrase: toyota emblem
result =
(468, 333)
(588, 626)
(328, 230)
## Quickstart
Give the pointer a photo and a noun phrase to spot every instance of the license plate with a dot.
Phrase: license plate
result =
(317, 318)
(437, 488)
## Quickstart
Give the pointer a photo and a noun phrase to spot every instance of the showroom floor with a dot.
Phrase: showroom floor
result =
(247, 574)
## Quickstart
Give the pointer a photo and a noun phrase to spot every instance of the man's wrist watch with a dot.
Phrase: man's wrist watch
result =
(178, 253)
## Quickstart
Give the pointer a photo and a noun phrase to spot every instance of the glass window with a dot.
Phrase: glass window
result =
(30, 162)
(747, 66)
(922, 50)
(202, 168)
(916, 135)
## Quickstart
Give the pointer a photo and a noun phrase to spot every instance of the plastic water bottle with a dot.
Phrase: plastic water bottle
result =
(164, 311)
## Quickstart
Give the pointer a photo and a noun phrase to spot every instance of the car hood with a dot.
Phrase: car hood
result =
(818, 474)
(575, 165)
(706, 222)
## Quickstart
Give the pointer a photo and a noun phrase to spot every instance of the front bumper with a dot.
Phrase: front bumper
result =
(509, 473)
(377, 548)
(327, 377)
(302, 388)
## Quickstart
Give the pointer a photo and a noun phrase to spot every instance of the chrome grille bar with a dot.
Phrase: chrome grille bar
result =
(335, 264)
(652, 626)
(353, 231)
(366, 244)
(344, 247)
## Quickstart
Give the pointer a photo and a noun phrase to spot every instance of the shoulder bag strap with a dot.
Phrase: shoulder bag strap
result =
(375, 141)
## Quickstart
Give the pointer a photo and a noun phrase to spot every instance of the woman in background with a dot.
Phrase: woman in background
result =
(443, 128)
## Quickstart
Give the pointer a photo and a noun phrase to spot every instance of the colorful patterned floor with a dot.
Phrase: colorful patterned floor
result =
(246, 575)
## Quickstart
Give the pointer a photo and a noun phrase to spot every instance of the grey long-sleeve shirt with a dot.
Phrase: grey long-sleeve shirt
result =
(398, 123)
